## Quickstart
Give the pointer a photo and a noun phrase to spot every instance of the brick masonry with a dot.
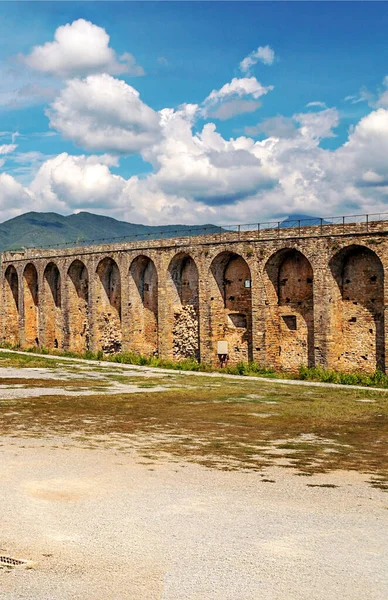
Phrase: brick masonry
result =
(281, 297)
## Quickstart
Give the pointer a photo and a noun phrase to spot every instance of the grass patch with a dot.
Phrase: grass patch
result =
(214, 422)
(376, 379)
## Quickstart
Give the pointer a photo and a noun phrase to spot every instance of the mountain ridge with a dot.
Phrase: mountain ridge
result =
(53, 230)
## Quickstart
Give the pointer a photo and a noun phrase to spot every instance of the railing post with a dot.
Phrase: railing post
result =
(258, 230)
(239, 231)
(278, 229)
(321, 225)
(343, 224)
(299, 227)
(367, 222)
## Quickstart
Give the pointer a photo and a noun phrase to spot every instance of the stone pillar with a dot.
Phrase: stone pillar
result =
(205, 340)
(165, 342)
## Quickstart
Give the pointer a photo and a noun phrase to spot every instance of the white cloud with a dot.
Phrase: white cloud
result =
(234, 95)
(7, 148)
(279, 126)
(104, 113)
(316, 104)
(76, 182)
(228, 110)
(202, 177)
(80, 48)
(263, 54)
(14, 198)
(162, 60)
(318, 124)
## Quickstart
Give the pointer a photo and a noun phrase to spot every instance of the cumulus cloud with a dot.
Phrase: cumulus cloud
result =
(279, 126)
(231, 99)
(14, 198)
(103, 113)
(73, 182)
(228, 110)
(80, 48)
(199, 176)
(263, 54)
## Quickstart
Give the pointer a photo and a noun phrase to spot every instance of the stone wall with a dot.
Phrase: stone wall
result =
(282, 297)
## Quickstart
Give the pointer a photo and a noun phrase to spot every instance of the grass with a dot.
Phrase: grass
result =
(217, 422)
(376, 379)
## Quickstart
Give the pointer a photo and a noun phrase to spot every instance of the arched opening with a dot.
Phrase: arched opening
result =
(357, 310)
(108, 307)
(143, 293)
(184, 288)
(231, 306)
(52, 306)
(290, 322)
(78, 313)
(31, 306)
(11, 312)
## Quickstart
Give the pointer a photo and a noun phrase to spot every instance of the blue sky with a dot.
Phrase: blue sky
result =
(161, 122)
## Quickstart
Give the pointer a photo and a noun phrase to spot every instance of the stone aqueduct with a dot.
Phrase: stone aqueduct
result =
(281, 297)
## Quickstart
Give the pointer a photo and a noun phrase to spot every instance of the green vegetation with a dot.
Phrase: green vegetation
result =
(217, 422)
(51, 230)
(377, 379)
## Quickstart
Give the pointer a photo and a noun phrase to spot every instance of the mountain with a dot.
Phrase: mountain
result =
(51, 230)
(305, 220)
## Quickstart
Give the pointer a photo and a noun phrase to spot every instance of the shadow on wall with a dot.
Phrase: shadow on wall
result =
(357, 310)
(231, 306)
(108, 307)
(31, 306)
(77, 314)
(143, 307)
(185, 327)
(53, 326)
(290, 315)
(11, 300)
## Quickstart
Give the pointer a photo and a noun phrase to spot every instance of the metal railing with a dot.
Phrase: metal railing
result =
(257, 230)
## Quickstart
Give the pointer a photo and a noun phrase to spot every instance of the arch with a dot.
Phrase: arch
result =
(78, 311)
(184, 290)
(231, 305)
(290, 315)
(357, 310)
(11, 306)
(108, 306)
(52, 306)
(143, 293)
(31, 305)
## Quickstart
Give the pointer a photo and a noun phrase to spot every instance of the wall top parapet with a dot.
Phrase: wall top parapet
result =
(260, 232)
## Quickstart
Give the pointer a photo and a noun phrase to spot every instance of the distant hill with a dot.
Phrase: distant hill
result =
(50, 230)
(305, 220)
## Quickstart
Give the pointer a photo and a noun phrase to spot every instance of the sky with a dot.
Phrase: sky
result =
(194, 112)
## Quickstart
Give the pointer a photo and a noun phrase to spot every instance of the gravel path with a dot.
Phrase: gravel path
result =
(104, 525)
(152, 371)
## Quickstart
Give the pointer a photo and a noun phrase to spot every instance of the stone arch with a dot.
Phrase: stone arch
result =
(357, 310)
(78, 310)
(11, 306)
(184, 290)
(108, 306)
(290, 316)
(143, 294)
(31, 305)
(52, 306)
(231, 305)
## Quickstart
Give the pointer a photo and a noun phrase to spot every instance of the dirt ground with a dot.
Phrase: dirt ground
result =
(101, 525)
(99, 513)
